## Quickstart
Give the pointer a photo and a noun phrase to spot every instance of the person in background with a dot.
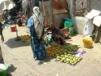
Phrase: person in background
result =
(36, 26)
(57, 35)
(24, 19)
(1, 30)
(19, 18)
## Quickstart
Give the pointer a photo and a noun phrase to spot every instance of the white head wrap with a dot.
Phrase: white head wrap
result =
(36, 11)
(38, 21)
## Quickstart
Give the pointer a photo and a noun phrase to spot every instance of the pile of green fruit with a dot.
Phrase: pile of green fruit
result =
(55, 49)
(68, 58)
(64, 53)
(69, 48)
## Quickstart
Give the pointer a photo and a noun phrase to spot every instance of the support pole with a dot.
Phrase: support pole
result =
(36, 2)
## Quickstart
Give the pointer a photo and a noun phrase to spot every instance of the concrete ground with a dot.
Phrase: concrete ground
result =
(23, 64)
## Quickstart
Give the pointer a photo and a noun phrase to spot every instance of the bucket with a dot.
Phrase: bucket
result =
(3, 70)
(3, 73)
(88, 42)
(13, 29)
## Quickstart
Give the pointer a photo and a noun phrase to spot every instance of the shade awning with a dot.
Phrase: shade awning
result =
(6, 4)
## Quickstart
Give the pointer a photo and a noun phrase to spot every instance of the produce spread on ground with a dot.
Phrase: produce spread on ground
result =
(25, 38)
(64, 53)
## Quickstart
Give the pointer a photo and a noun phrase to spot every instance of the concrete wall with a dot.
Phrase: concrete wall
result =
(58, 18)
(95, 4)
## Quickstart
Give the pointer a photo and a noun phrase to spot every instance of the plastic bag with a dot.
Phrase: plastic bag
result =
(88, 28)
(88, 42)
(68, 23)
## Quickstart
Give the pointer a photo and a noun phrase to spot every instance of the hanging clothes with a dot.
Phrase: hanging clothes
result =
(36, 44)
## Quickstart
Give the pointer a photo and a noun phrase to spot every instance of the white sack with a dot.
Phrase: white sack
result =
(97, 21)
(92, 14)
(88, 28)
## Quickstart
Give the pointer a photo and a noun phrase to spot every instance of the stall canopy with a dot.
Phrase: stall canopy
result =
(6, 4)
(1, 1)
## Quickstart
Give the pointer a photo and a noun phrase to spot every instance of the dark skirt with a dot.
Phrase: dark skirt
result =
(37, 46)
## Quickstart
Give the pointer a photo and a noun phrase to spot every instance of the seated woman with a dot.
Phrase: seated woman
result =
(58, 36)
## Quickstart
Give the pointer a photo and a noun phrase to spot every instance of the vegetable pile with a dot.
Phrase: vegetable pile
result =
(25, 38)
(65, 53)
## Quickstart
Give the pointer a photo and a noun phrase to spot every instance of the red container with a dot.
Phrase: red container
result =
(13, 29)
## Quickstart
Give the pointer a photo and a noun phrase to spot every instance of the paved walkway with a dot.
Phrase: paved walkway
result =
(20, 56)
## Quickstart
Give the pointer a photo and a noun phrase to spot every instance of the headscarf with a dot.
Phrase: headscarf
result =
(38, 21)
(36, 11)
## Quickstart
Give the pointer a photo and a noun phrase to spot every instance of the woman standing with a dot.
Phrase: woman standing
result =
(36, 26)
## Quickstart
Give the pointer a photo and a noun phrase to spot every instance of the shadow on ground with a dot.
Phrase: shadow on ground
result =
(13, 43)
(11, 69)
(45, 61)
